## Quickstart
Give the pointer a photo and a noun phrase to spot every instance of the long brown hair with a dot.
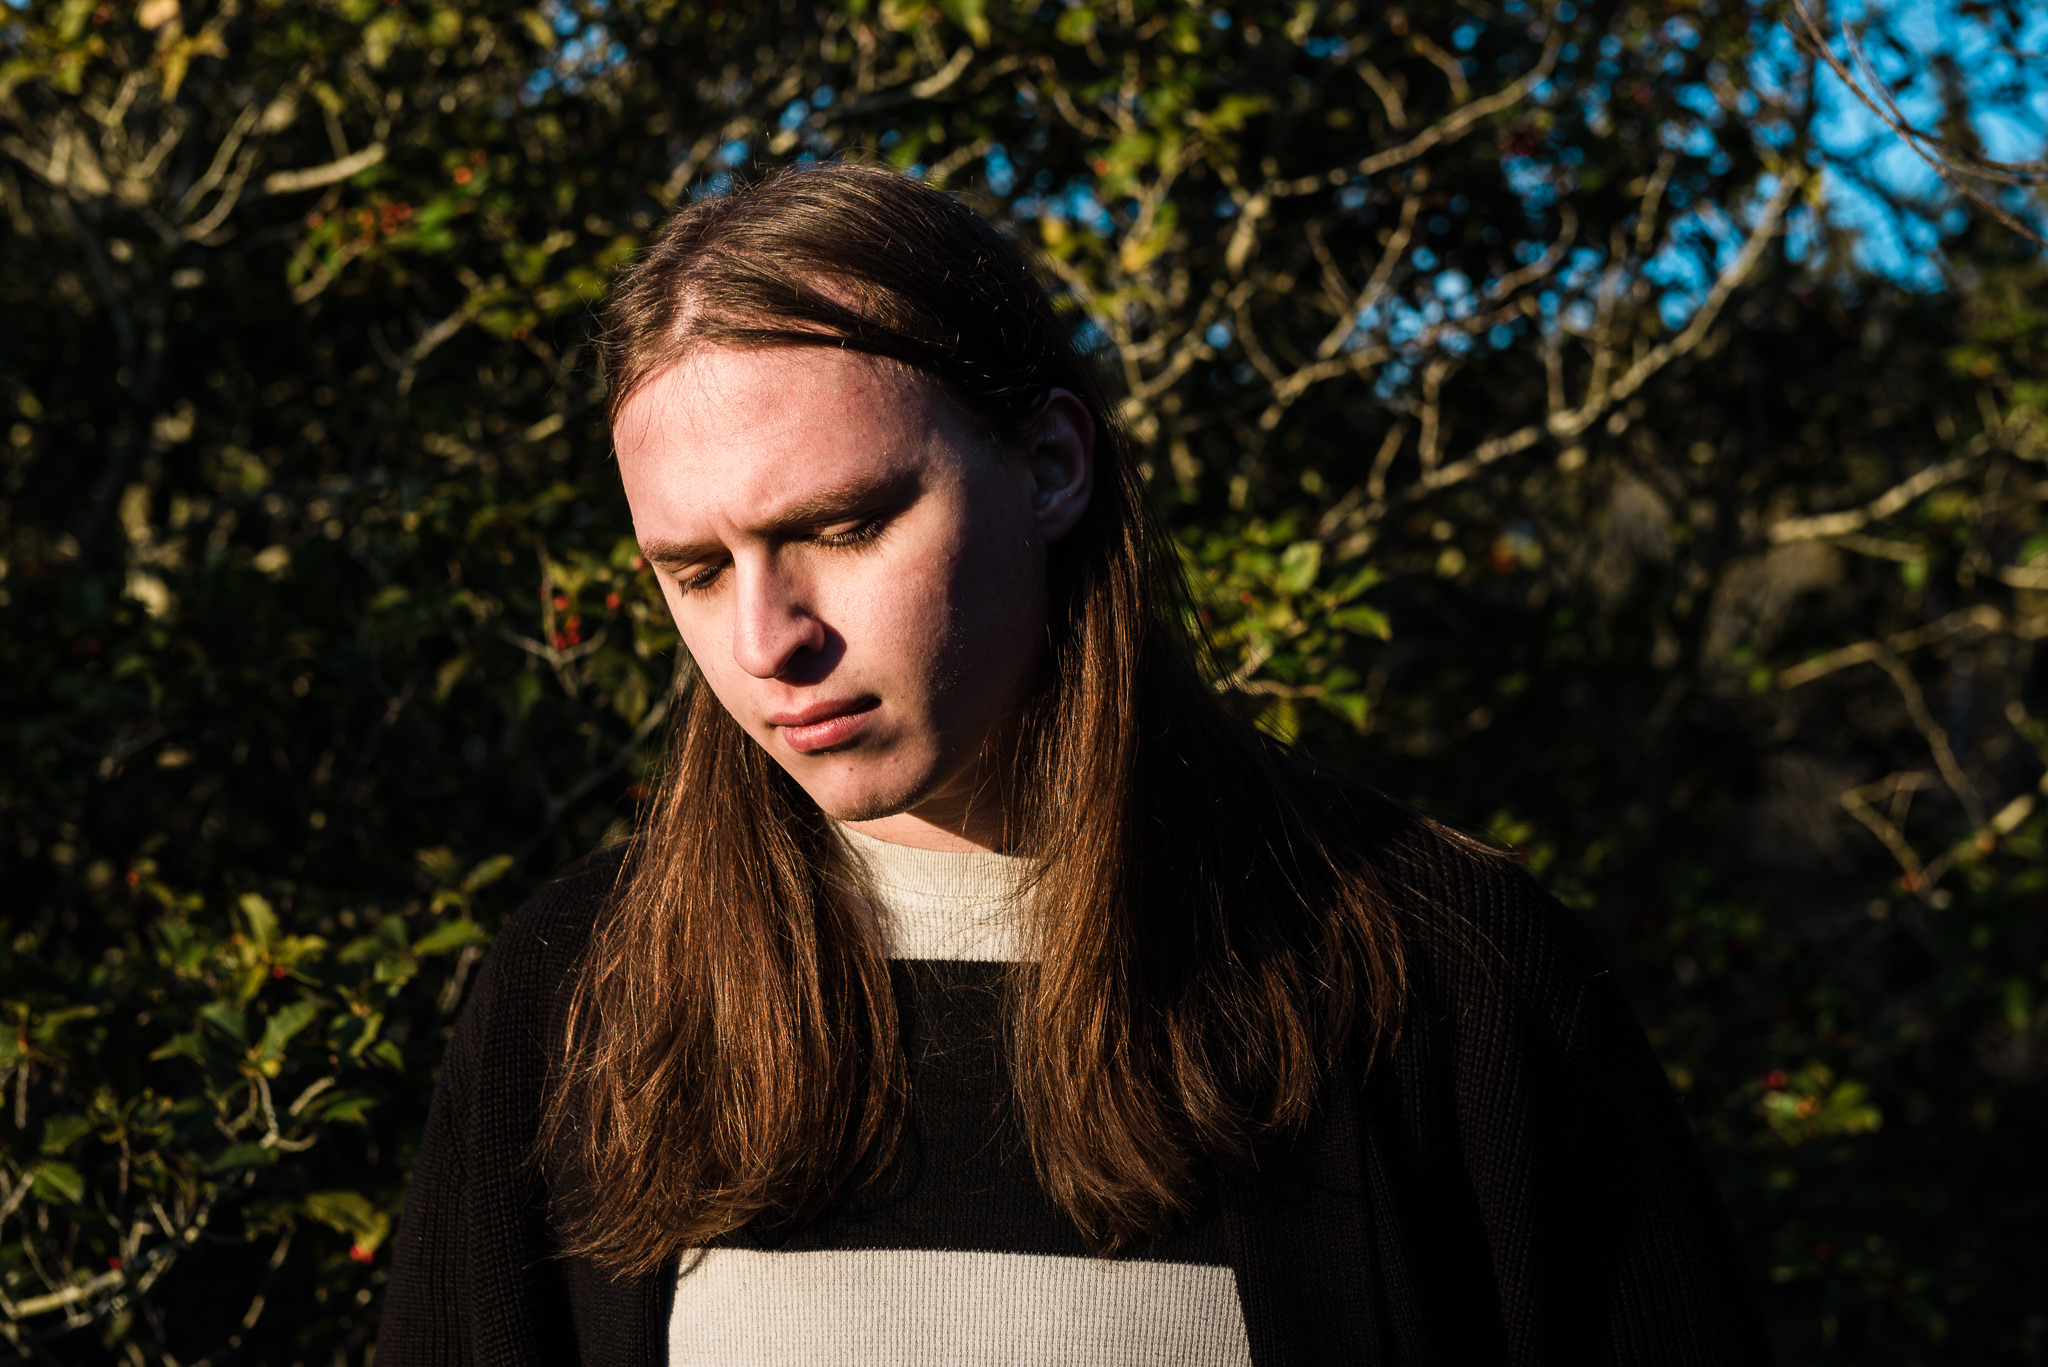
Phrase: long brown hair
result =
(1206, 930)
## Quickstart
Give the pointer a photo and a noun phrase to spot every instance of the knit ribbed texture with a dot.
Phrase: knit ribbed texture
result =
(918, 1308)
(941, 905)
(1513, 1182)
(958, 1224)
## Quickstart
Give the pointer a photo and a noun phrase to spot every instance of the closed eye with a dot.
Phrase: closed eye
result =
(865, 532)
(861, 535)
(702, 579)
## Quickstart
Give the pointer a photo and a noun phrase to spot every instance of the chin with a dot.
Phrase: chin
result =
(852, 802)
(883, 791)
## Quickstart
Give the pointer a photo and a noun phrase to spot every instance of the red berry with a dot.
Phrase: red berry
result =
(277, 970)
(114, 1263)
(1775, 1080)
(611, 601)
(561, 602)
(361, 1254)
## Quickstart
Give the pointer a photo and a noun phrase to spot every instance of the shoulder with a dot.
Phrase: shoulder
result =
(534, 958)
(1480, 937)
(556, 920)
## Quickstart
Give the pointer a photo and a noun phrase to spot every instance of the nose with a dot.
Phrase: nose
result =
(773, 626)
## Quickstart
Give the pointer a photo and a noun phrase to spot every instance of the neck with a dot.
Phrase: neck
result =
(967, 814)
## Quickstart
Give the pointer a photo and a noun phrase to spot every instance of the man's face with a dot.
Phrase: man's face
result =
(858, 574)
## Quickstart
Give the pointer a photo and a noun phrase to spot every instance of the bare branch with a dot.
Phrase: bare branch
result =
(1892, 501)
(1567, 233)
(230, 195)
(942, 171)
(313, 177)
(1933, 733)
(1857, 803)
(1461, 89)
(223, 158)
(1946, 158)
(1390, 98)
(1448, 129)
(1661, 355)
(1430, 443)
(942, 80)
(1981, 617)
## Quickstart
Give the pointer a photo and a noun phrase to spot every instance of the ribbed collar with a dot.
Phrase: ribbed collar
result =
(939, 904)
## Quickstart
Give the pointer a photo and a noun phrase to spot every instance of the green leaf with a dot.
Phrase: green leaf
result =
(50, 1023)
(187, 1045)
(71, 20)
(356, 1033)
(226, 1019)
(345, 1212)
(971, 15)
(1356, 583)
(441, 866)
(59, 1182)
(1361, 620)
(352, 1108)
(282, 1026)
(243, 1156)
(1234, 111)
(1350, 706)
(487, 872)
(61, 1132)
(1299, 564)
(260, 919)
(450, 935)
(450, 674)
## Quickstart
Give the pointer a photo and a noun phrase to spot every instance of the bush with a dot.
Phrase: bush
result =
(1519, 467)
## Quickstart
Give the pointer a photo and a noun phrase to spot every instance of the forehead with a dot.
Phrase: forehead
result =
(715, 391)
(738, 434)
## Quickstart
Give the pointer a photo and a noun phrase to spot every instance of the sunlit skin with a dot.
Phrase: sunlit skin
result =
(859, 575)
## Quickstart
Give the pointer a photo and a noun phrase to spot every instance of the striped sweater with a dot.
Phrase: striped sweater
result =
(1511, 1182)
(955, 1256)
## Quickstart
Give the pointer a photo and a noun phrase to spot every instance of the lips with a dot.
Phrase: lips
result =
(824, 725)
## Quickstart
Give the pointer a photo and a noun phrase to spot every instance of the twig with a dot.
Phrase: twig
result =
(1982, 617)
(1447, 129)
(1892, 501)
(313, 177)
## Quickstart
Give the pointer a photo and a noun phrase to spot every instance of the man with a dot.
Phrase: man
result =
(976, 988)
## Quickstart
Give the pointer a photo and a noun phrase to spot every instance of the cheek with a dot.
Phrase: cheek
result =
(996, 595)
(902, 613)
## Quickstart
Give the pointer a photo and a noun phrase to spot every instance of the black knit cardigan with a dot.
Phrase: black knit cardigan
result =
(1513, 1182)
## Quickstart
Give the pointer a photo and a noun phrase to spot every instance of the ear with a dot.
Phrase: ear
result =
(1062, 464)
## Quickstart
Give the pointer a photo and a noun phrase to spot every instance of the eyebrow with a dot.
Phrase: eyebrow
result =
(805, 512)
